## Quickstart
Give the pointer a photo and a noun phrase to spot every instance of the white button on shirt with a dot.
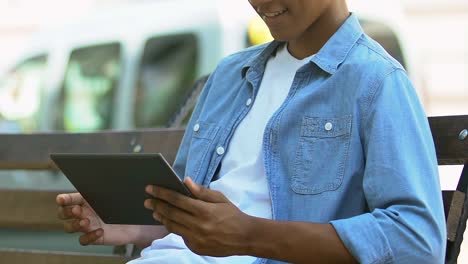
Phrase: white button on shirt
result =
(328, 126)
(249, 102)
(196, 127)
(220, 151)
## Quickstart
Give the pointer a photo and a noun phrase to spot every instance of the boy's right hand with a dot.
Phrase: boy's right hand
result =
(78, 216)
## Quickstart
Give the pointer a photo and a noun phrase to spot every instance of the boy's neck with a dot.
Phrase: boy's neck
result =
(320, 32)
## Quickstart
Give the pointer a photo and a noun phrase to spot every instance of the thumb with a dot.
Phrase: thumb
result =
(202, 193)
(192, 186)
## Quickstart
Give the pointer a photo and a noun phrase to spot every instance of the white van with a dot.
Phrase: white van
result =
(134, 67)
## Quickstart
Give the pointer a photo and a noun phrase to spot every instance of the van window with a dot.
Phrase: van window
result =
(386, 37)
(87, 97)
(167, 72)
(20, 96)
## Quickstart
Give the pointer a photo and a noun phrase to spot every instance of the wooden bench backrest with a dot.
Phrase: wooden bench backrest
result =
(452, 149)
(36, 210)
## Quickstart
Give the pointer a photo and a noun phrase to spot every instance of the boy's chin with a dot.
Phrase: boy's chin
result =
(283, 37)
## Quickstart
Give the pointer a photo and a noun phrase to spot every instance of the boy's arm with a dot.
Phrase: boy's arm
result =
(116, 235)
(143, 235)
(212, 225)
(297, 242)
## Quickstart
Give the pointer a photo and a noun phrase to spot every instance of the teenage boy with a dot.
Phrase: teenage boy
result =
(310, 149)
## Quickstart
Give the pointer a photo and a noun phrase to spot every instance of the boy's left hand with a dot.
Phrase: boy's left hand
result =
(210, 225)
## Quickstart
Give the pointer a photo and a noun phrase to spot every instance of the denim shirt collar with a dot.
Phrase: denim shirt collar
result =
(329, 57)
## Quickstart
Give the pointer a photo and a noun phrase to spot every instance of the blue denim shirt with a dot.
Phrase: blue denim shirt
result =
(350, 146)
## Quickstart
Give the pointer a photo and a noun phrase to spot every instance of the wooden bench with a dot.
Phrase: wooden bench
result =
(451, 142)
(36, 210)
(26, 209)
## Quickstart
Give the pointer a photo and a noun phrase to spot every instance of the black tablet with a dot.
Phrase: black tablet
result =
(114, 184)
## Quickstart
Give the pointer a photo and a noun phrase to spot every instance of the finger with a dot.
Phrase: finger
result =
(176, 199)
(92, 238)
(76, 225)
(172, 226)
(203, 193)
(65, 199)
(84, 224)
(72, 226)
(148, 204)
(68, 212)
(174, 214)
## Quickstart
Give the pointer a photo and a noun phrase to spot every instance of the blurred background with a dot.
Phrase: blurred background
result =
(88, 65)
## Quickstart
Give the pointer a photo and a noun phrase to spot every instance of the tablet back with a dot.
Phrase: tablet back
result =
(114, 184)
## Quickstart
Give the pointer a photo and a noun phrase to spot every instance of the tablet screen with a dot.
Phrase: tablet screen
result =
(114, 184)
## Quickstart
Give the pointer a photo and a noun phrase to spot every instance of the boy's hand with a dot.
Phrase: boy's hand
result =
(210, 225)
(78, 216)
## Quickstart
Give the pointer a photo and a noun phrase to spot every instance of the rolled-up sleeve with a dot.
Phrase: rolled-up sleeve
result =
(405, 223)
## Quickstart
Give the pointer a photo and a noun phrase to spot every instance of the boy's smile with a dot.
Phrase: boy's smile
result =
(305, 24)
(272, 18)
(266, 15)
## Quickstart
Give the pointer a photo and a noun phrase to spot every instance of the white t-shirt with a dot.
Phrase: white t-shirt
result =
(242, 177)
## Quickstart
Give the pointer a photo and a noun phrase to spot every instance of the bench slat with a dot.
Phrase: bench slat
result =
(445, 131)
(454, 202)
(40, 257)
(31, 151)
(29, 210)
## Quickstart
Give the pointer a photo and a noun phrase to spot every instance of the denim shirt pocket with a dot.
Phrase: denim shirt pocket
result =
(321, 154)
(202, 140)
